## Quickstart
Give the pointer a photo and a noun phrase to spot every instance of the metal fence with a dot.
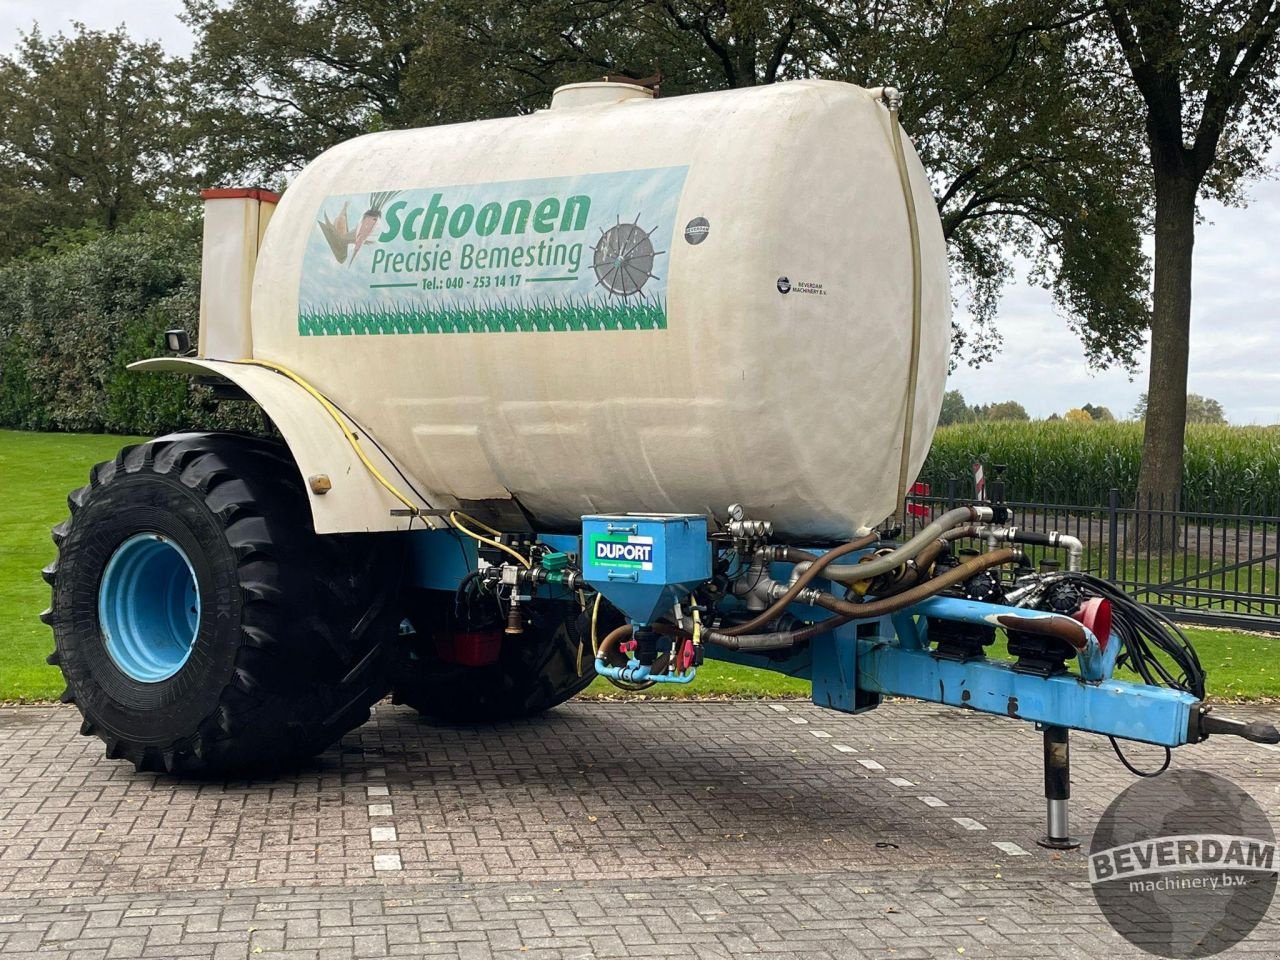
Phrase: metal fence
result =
(1223, 571)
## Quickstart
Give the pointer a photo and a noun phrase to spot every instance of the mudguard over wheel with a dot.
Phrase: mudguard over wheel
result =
(200, 623)
(536, 670)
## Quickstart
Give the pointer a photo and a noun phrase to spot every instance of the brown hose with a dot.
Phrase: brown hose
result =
(930, 554)
(612, 638)
(795, 555)
(958, 574)
(801, 582)
(913, 572)
(877, 608)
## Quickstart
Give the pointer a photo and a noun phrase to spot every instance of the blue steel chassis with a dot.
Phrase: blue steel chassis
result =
(852, 667)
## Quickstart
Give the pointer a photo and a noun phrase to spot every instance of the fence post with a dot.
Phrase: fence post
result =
(951, 493)
(1113, 531)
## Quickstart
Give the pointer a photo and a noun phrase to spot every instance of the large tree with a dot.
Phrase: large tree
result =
(1206, 73)
(91, 133)
(954, 409)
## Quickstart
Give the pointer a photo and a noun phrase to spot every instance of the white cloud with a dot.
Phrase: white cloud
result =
(145, 19)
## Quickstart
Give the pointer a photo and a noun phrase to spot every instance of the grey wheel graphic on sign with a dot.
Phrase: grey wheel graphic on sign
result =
(624, 258)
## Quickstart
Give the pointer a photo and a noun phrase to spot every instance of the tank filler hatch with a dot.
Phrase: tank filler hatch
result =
(601, 93)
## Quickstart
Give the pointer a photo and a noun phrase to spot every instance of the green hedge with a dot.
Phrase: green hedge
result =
(1227, 468)
(71, 320)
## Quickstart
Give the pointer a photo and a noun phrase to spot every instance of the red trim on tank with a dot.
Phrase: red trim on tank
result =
(240, 193)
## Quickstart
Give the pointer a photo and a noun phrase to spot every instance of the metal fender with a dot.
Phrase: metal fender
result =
(355, 501)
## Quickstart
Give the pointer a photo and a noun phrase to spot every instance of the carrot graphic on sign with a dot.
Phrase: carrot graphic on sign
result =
(338, 233)
(371, 217)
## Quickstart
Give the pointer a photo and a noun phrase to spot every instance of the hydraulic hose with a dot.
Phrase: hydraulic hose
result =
(856, 573)
(817, 566)
(862, 611)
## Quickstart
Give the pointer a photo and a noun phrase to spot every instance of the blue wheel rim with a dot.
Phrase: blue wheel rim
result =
(149, 607)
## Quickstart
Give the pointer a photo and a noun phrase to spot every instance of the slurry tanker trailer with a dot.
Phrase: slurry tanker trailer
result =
(598, 391)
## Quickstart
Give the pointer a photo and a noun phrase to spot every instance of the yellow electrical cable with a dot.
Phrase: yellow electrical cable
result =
(479, 523)
(697, 629)
(582, 606)
(340, 420)
(595, 608)
(458, 525)
(595, 637)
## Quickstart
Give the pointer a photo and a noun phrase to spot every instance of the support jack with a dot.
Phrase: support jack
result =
(1057, 789)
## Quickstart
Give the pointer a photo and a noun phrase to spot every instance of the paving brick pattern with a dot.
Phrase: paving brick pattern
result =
(602, 830)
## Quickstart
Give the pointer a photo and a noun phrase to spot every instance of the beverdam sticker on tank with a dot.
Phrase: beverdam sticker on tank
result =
(587, 252)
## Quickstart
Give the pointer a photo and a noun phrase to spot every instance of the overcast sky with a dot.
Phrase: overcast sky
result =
(1235, 330)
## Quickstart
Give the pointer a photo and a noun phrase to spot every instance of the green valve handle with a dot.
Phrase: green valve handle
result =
(555, 561)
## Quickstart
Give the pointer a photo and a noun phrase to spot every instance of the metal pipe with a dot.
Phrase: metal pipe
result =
(1075, 550)
(1010, 534)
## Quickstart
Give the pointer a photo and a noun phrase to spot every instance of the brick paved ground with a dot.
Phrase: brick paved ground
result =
(603, 830)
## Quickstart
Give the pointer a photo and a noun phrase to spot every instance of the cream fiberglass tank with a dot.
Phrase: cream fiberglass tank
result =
(622, 304)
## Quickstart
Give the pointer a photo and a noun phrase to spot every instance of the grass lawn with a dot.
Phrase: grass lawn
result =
(37, 470)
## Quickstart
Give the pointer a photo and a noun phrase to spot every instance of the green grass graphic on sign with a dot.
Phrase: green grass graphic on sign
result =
(544, 316)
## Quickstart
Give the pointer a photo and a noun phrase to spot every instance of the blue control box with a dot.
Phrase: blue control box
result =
(644, 563)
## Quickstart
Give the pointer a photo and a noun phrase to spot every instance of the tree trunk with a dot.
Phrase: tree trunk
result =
(1160, 476)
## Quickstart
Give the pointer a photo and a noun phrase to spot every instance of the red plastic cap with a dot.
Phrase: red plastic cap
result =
(1095, 613)
(240, 193)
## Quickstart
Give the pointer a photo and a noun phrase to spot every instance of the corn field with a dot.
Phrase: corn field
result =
(1236, 468)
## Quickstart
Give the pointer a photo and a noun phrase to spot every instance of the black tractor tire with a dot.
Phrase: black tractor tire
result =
(294, 632)
(536, 670)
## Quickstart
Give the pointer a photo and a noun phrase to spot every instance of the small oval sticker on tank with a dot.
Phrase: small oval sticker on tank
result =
(696, 230)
